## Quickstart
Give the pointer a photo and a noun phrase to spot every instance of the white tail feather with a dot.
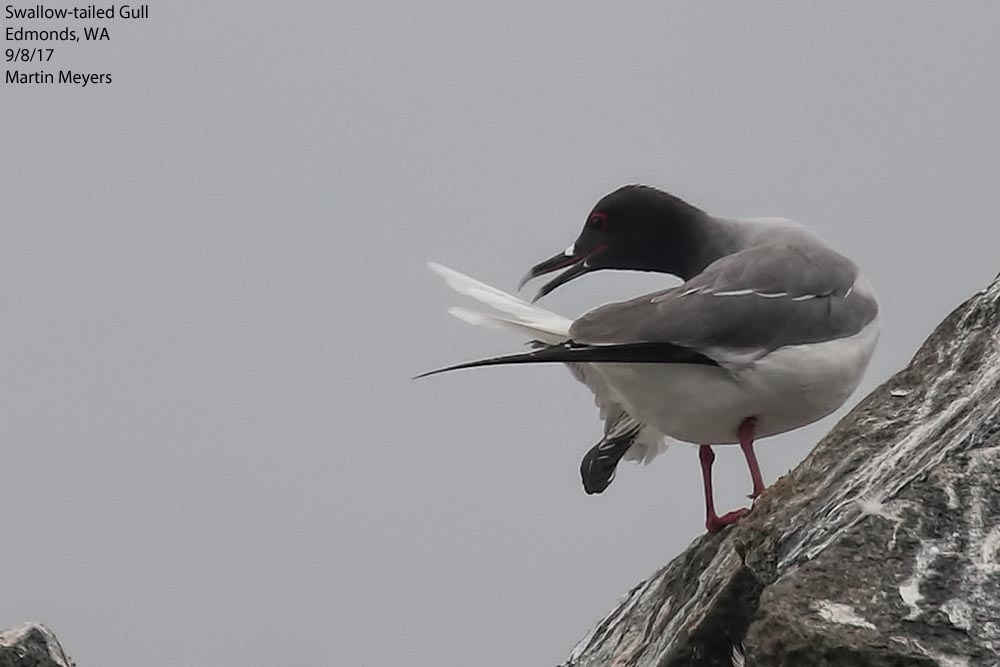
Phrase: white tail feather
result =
(530, 320)
(533, 331)
(463, 284)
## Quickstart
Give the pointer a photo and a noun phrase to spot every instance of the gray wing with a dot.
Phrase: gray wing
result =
(753, 301)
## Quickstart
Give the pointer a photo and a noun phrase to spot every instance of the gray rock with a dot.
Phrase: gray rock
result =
(31, 645)
(882, 548)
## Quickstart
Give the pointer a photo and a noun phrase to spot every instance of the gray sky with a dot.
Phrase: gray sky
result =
(215, 295)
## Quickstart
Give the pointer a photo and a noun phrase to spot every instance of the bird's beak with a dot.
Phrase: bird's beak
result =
(577, 261)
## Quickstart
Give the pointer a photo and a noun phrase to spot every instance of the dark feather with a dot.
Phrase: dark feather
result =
(570, 352)
(599, 464)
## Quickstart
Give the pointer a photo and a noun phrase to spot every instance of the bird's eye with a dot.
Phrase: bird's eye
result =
(598, 221)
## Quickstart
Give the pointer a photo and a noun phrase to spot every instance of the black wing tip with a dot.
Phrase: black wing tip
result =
(568, 352)
(438, 371)
(491, 361)
(600, 463)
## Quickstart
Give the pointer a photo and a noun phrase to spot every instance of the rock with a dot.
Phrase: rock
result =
(31, 645)
(881, 548)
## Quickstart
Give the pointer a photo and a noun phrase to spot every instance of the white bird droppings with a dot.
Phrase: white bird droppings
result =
(844, 614)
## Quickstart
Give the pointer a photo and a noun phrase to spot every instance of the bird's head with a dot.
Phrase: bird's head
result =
(635, 227)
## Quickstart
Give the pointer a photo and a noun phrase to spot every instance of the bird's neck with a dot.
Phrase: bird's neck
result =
(694, 240)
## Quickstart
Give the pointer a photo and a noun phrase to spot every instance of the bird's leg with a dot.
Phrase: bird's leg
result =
(713, 522)
(745, 434)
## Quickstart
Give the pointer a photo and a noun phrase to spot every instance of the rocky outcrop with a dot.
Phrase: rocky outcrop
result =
(881, 548)
(31, 645)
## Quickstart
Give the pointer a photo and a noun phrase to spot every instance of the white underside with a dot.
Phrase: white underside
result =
(788, 388)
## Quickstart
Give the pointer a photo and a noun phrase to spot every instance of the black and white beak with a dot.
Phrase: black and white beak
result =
(578, 261)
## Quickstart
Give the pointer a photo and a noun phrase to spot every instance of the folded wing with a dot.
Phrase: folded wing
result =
(744, 306)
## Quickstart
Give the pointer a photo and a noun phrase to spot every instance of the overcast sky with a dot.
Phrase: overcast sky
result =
(215, 295)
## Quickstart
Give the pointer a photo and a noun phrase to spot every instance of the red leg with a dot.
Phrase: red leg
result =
(713, 522)
(745, 433)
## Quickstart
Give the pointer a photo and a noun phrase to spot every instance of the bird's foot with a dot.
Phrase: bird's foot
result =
(716, 523)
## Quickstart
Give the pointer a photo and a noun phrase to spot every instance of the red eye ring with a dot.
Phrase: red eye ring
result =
(598, 220)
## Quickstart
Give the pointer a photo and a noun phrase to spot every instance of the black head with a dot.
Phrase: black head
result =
(635, 227)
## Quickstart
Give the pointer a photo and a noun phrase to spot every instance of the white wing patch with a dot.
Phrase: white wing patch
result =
(708, 291)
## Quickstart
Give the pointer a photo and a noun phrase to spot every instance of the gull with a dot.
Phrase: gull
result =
(771, 330)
